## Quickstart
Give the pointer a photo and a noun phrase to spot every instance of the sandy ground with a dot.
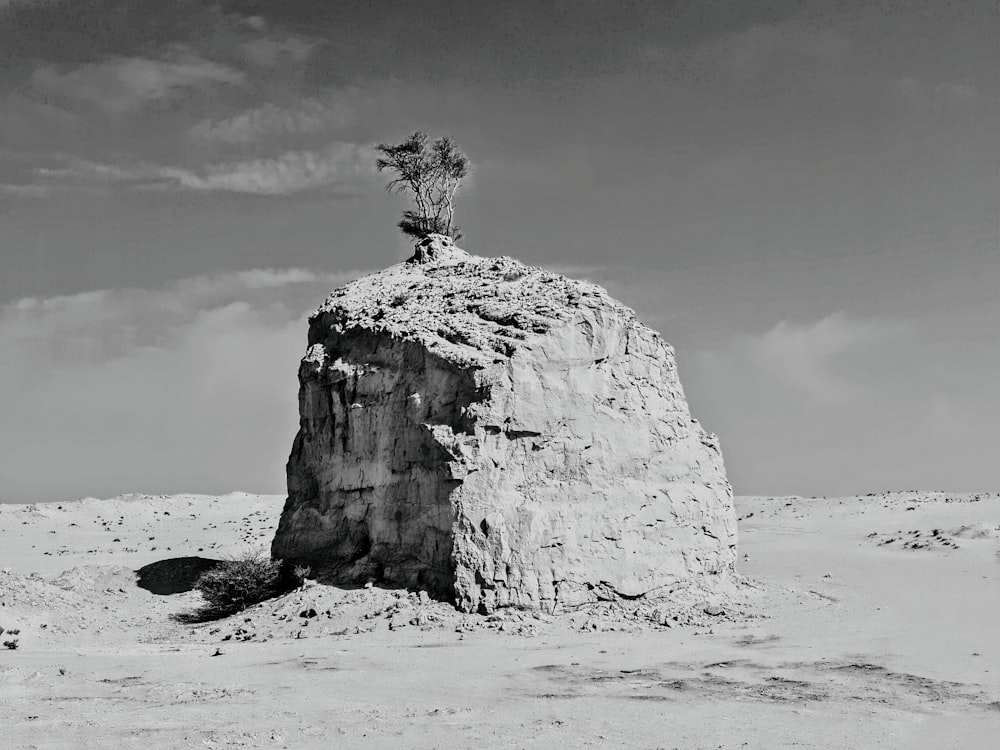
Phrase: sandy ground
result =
(869, 622)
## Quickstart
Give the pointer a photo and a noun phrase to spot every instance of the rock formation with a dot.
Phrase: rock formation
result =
(501, 436)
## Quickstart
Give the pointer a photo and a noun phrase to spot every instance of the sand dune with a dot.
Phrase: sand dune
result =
(865, 622)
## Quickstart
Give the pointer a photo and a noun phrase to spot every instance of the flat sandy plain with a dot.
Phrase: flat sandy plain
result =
(867, 622)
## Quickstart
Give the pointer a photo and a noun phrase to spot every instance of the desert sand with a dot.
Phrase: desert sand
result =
(864, 622)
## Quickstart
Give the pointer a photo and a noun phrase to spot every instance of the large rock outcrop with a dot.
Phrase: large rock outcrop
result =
(499, 435)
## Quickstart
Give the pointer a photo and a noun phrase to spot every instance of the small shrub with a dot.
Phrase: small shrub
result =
(11, 644)
(238, 583)
(300, 573)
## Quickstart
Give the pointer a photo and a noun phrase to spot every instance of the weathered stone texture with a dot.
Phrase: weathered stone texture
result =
(500, 435)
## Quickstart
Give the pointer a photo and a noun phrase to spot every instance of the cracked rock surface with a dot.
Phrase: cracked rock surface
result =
(500, 435)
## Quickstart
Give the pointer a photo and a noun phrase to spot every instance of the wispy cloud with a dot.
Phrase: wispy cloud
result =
(24, 191)
(340, 166)
(121, 84)
(270, 52)
(310, 117)
(215, 286)
(257, 23)
(291, 172)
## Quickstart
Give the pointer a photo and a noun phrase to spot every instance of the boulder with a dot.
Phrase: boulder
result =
(499, 435)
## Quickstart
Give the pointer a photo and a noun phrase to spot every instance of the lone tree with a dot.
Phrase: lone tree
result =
(432, 172)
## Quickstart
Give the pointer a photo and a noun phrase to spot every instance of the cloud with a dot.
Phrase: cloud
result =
(340, 165)
(84, 170)
(310, 117)
(270, 52)
(121, 84)
(24, 191)
(804, 356)
(236, 282)
(291, 172)
(184, 388)
(257, 23)
(266, 278)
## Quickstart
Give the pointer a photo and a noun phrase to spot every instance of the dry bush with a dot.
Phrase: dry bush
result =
(238, 583)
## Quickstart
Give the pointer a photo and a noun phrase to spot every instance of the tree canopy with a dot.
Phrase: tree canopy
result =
(431, 171)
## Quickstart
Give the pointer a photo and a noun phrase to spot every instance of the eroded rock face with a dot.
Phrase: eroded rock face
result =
(500, 435)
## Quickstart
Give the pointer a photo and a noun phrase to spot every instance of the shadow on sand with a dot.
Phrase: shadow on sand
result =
(176, 575)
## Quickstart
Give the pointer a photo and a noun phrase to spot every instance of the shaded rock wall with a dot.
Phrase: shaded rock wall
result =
(369, 484)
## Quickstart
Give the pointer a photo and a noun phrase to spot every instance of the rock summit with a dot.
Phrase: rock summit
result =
(499, 435)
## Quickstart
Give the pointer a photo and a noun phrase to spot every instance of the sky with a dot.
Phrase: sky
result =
(801, 196)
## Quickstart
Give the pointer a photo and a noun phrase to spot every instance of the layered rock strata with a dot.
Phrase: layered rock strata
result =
(501, 436)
